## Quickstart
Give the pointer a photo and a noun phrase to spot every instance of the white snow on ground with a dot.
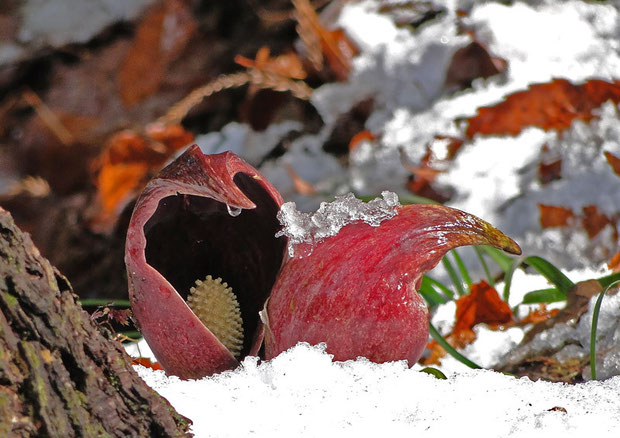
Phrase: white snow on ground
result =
(301, 392)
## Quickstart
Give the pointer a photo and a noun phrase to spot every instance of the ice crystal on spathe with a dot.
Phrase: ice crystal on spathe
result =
(332, 216)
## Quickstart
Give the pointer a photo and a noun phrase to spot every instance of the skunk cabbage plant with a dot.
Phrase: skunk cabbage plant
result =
(210, 283)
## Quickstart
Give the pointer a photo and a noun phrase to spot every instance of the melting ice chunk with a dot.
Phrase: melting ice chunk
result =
(332, 216)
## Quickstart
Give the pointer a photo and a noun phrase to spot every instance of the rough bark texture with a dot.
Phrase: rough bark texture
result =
(60, 376)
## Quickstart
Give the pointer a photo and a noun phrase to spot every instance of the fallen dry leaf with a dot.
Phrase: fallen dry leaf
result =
(552, 105)
(593, 221)
(127, 162)
(538, 315)
(613, 161)
(301, 186)
(471, 62)
(146, 362)
(319, 42)
(548, 172)
(553, 216)
(577, 302)
(359, 137)
(614, 262)
(288, 64)
(160, 38)
(482, 305)
(420, 182)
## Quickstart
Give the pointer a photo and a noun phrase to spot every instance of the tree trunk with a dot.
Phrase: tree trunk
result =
(60, 375)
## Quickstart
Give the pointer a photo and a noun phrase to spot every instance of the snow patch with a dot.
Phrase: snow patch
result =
(302, 393)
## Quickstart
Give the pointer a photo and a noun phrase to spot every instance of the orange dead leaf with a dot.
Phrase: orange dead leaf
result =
(548, 172)
(421, 179)
(288, 64)
(552, 216)
(436, 351)
(424, 172)
(614, 262)
(127, 161)
(552, 105)
(538, 315)
(614, 162)
(335, 45)
(359, 137)
(339, 51)
(594, 221)
(481, 305)
(146, 362)
(160, 38)
(302, 186)
(117, 183)
(435, 354)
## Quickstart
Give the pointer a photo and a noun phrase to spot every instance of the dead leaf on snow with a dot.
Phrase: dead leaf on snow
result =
(550, 106)
(554, 216)
(613, 161)
(593, 221)
(482, 305)
(472, 62)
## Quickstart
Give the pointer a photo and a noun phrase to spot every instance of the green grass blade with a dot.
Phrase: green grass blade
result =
(456, 280)
(595, 313)
(551, 273)
(462, 268)
(609, 279)
(94, 302)
(483, 262)
(409, 198)
(551, 295)
(434, 372)
(508, 277)
(445, 289)
(430, 294)
(403, 198)
(455, 354)
(134, 335)
(498, 256)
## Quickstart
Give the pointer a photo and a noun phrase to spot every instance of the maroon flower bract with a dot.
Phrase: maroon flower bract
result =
(357, 291)
(181, 230)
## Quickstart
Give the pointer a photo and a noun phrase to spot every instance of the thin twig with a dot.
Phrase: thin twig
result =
(260, 78)
(48, 117)
(308, 23)
(181, 108)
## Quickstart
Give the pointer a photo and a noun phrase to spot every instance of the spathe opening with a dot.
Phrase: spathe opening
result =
(189, 237)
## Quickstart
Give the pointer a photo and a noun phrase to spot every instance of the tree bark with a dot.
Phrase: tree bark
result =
(60, 375)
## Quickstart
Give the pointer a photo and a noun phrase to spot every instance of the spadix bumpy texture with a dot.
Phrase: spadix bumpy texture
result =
(215, 304)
